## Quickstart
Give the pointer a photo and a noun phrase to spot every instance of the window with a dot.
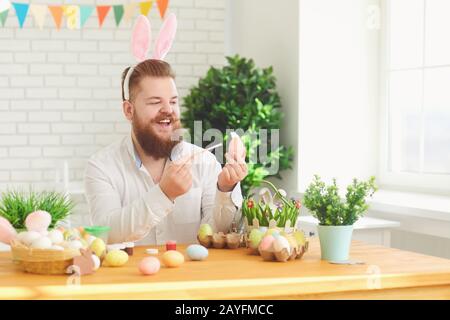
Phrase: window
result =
(415, 77)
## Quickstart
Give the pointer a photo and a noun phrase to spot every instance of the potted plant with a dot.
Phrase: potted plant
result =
(336, 215)
(16, 205)
(239, 96)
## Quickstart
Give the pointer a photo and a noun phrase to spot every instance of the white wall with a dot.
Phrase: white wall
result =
(338, 117)
(271, 38)
(60, 90)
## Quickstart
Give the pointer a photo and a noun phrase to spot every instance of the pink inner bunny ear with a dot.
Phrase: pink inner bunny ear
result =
(141, 38)
(165, 37)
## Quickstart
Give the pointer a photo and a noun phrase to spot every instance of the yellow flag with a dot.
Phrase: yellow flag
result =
(145, 7)
(72, 14)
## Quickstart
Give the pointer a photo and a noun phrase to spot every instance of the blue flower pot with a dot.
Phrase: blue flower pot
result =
(335, 242)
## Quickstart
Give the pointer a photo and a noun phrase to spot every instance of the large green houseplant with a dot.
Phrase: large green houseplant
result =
(336, 215)
(239, 96)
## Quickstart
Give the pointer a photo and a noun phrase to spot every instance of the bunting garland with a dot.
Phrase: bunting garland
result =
(76, 16)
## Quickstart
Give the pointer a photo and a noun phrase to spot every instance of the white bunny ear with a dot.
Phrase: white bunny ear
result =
(141, 38)
(165, 37)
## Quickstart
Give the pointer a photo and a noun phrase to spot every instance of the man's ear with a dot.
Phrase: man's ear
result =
(128, 110)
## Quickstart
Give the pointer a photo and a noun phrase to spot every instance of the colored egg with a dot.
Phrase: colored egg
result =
(98, 247)
(96, 261)
(197, 252)
(74, 244)
(172, 259)
(28, 237)
(204, 231)
(281, 243)
(263, 229)
(272, 231)
(255, 238)
(266, 243)
(56, 236)
(38, 221)
(116, 258)
(149, 265)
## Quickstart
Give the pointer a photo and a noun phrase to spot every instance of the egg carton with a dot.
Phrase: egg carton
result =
(284, 255)
(220, 240)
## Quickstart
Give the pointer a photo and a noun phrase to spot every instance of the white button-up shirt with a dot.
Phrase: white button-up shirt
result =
(121, 194)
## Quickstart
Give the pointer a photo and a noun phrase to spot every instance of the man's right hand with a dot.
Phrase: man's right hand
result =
(176, 179)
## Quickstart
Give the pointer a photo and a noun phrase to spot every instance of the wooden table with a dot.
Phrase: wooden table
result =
(226, 274)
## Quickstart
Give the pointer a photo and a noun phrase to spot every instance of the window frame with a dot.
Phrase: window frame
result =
(416, 182)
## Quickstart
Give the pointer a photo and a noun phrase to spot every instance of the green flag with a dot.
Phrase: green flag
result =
(3, 16)
(118, 13)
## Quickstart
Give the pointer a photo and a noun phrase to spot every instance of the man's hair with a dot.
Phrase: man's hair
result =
(147, 68)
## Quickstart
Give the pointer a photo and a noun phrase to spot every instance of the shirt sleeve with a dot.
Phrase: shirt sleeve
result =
(131, 222)
(220, 209)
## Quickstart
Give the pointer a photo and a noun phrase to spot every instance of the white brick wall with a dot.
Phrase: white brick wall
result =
(60, 93)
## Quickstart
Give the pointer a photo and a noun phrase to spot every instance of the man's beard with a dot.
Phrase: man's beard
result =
(152, 144)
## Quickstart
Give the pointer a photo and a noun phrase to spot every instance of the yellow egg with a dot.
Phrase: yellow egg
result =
(98, 247)
(116, 258)
(172, 259)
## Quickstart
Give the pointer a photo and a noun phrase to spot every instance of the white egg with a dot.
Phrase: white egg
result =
(29, 237)
(42, 243)
(281, 243)
(75, 244)
(56, 247)
(96, 261)
(56, 236)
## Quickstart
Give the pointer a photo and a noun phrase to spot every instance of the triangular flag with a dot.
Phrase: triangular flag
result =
(145, 7)
(39, 12)
(21, 12)
(85, 13)
(162, 6)
(72, 15)
(129, 11)
(118, 13)
(3, 16)
(102, 12)
(57, 13)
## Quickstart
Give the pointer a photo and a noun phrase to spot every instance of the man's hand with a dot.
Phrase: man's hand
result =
(176, 179)
(233, 172)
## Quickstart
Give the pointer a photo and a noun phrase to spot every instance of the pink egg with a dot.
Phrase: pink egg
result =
(266, 242)
(38, 221)
(149, 265)
(7, 232)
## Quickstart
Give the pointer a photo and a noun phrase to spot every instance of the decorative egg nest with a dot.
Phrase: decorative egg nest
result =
(42, 261)
(220, 240)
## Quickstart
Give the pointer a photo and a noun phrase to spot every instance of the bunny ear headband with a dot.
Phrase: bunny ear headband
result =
(141, 40)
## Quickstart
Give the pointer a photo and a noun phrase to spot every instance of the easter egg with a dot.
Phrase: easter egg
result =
(272, 231)
(28, 237)
(42, 243)
(204, 231)
(89, 238)
(116, 258)
(149, 265)
(38, 221)
(300, 238)
(281, 243)
(74, 244)
(255, 238)
(96, 261)
(98, 247)
(172, 259)
(197, 252)
(263, 229)
(56, 236)
(266, 243)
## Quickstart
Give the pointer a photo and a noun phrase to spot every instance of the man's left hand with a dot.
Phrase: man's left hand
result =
(233, 172)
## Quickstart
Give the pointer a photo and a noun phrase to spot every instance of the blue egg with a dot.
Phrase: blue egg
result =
(263, 229)
(197, 252)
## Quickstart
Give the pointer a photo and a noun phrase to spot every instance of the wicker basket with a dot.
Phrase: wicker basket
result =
(42, 261)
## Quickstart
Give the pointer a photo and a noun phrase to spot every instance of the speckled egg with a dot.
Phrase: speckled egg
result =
(266, 243)
(197, 252)
(172, 259)
(149, 265)
(281, 243)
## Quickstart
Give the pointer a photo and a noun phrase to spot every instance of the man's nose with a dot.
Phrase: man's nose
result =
(166, 107)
